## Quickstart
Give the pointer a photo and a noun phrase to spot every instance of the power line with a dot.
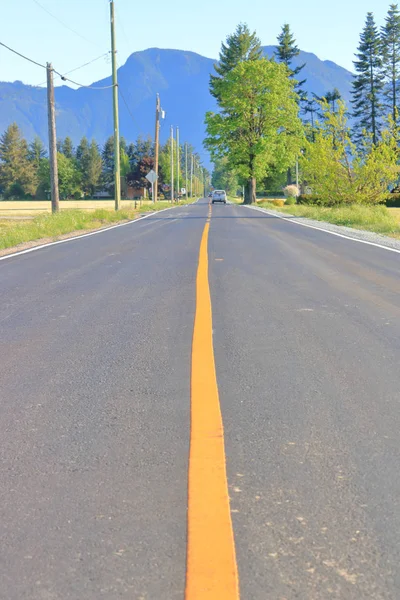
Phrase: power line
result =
(81, 67)
(81, 85)
(64, 24)
(23, 56)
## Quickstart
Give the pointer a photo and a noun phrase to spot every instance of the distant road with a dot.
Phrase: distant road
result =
(100, 370)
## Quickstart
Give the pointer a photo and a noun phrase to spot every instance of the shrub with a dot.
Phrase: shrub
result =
(291, 191)
(393, 200)
(310, 199)
(278, 203)
(290, 201)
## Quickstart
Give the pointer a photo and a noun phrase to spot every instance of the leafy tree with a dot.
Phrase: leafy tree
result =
(286, 51)
(69, 177)
(240, 46)
(125, 166)
(258, 125)
(67, 148)
(390, 35)
(223, 177)
(91, 166)
(137, 177)
(15, 167)
(338, 172)
(368, 82)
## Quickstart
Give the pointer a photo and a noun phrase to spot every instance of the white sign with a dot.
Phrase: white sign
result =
(151, 176)
(183, 190)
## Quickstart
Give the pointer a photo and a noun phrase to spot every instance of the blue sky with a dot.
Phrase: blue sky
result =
(331, 32)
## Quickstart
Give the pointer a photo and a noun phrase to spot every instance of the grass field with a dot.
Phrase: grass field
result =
(52, 227)
(378, 219)
(35, 207)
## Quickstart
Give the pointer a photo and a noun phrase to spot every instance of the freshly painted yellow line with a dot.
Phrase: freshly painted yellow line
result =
(211, 562)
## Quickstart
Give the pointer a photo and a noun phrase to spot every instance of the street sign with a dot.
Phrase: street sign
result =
(151, 176)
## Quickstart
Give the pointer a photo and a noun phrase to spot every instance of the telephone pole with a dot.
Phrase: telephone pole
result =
(117, 173)
(157, 144)
(172, 163)
(177, 164)
(186, 170)
(55, 200)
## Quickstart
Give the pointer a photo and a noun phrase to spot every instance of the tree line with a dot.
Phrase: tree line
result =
(87, 168)
(266, 122)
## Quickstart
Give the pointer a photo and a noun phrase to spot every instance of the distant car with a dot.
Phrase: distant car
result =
(219, 196)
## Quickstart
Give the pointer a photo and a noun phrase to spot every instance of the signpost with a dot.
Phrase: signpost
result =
(152, 177)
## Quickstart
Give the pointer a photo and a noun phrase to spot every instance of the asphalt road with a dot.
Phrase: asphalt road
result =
(96, 350)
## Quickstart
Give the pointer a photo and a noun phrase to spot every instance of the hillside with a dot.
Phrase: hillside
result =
(181, 78)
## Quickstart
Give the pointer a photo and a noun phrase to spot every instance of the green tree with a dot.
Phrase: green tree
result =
(67, 148)
(338, 172)
(36, 152)
(368, 81)
(15, 167)
(240, 46)
(286, 51)
(69, 176)
(108, 161)
(93, 168)
(224, 177)
(258, 125)
(82, 150)
(124, 163)
(390, 35)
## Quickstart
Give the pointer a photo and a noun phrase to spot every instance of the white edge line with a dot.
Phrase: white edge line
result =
(346, 237)
(79, 237)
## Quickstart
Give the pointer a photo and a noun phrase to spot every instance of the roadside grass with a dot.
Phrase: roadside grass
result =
(378, 219)
(49, 226)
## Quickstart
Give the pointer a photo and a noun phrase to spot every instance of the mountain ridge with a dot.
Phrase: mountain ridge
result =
(180, 76)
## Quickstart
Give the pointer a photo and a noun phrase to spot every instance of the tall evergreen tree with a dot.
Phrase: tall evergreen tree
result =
(108, 161)
(390, 35)
(15, 168)
(93, 166)
(240, 46)
(67, 148)
(82, 150)
(36, 152)
(286, 51)
(368, 81)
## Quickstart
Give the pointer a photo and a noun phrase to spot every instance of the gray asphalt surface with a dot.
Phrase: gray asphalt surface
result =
(95, 343)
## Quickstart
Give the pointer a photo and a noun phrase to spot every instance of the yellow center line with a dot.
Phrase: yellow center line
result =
(211, 561)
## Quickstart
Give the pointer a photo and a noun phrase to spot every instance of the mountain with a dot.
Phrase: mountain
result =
(179, 76)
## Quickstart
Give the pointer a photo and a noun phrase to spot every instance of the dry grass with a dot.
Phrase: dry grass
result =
(49, 226)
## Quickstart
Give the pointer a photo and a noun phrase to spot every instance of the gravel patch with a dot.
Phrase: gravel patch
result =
(357, 234)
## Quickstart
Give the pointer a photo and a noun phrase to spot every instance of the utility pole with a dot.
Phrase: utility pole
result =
(55, 200)
(186, 170)
(156, 149)
(172, 163)
(191, 177)
(177, 164)
(117, 170)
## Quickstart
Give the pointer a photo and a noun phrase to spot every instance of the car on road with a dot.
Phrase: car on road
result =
(219, 196)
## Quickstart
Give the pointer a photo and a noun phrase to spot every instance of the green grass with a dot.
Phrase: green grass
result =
(48, 226)
(370, 218)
